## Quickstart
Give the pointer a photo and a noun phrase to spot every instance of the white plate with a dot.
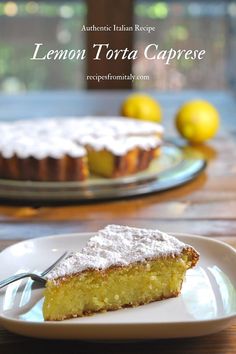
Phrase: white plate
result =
(206, 305)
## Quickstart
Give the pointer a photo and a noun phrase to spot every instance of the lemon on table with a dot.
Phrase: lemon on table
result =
(141, 106)
(197, 121)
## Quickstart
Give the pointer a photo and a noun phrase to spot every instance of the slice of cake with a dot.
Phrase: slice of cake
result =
(119, 267)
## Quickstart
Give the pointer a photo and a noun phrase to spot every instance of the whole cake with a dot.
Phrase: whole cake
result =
(68, 149)
(119, 267)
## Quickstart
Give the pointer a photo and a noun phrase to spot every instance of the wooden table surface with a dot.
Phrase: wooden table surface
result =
(205, 206)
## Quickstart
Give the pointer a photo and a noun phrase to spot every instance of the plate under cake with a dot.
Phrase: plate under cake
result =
(67, 149)
(119, 267)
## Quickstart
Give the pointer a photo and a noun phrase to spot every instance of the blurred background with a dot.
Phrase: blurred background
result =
(209, 25)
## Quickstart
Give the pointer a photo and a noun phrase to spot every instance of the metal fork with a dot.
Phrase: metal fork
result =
(38, 278)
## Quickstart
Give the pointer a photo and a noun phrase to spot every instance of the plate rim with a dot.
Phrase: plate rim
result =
(77, 324)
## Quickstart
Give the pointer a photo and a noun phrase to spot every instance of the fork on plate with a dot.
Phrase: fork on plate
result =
(40, 278)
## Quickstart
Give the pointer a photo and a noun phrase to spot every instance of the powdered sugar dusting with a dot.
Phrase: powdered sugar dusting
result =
(118, 245)
(27, 146)
(68, 136)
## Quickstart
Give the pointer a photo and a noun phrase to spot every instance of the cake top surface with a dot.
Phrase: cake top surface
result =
(29, 146)
(75, 127)
(56, 137)
(117, 245)
(107, 126)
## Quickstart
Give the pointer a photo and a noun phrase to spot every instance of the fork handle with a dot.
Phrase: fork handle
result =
(16, 277)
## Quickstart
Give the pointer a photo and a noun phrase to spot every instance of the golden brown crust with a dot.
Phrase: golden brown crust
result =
(48, 169)
(193, 255)
(72, 169)
(134, 161)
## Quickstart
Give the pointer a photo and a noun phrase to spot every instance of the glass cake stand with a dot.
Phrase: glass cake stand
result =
(173, 168)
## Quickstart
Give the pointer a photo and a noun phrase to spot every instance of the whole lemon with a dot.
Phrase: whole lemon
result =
(141, 106)
(197, 121)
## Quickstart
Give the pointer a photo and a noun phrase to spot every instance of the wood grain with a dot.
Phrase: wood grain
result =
(219, 343)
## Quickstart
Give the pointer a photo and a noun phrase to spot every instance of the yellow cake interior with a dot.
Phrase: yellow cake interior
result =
(101, 163)
(95, 290)
(105, 163)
